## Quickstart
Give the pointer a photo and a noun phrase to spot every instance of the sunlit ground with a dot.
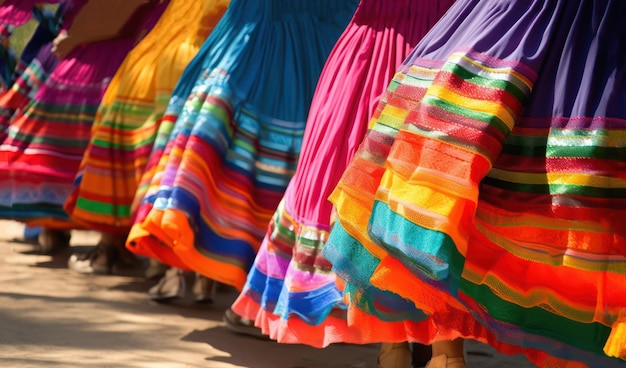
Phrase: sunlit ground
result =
(53, 317)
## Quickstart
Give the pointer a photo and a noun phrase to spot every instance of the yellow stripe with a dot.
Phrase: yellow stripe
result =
(393, 116)
(509, 72)
(491, 108)
(557, 178)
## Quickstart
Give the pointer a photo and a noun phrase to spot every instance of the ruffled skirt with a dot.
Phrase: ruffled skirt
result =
(131, 112)
(40, 157)
(33, 65)
(239, 114)
(490, 189)
(291, 291)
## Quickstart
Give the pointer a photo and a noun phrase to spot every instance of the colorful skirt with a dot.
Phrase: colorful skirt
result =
(130, 113)
(237, 135)
(45, 144)
(26, 85)
(291, 291)
(490, 189)
(18, 12)
(33, 65)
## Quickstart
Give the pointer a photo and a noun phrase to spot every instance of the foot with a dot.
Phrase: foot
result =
(97, 261)
(108, 256)
(171, 286)
(203, 290)
(52, 241)
(155, 270)
(242, 325)
(443, 361)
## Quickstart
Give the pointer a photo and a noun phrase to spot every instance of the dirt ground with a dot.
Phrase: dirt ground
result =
(53, 317)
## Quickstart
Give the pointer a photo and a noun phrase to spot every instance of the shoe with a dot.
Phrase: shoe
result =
(203, 289)
(394, 355)
(242, 325)
(442, 361)
(109, 255)
(155, 269)
(52, 241)
(98, 261)
(171, 286)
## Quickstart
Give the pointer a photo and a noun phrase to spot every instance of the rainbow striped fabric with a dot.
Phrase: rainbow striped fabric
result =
(26, 85)
(291, 291)
(129, 116)
(490, 188)
(238, 120)
(35, 61)
(46, 141)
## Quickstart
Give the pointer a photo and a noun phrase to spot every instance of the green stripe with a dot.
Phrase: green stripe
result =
(499, 84)
(129, 112)
(284, 232)
(527, 146)
(393, 85)
(594, 152)
(538, 321)
(579, 145)
(212, 109)
(538, 148)
(490, 119)
(102, 208)
(46, 140)
(439, 246)
(557, 189)
(26, 212)
(245, 145)
(126, 147)
(310, 243)
(69, 109)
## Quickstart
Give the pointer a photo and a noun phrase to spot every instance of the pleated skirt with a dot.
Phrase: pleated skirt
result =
(32, 66)
(490, 188)
(234, 129)
(131, 111)
(40, 156)
(291, 292)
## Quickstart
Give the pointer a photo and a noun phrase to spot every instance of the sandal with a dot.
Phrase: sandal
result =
(109, 255)
(171, 286)
(203, 289)
(242, 325)
(98, 261)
